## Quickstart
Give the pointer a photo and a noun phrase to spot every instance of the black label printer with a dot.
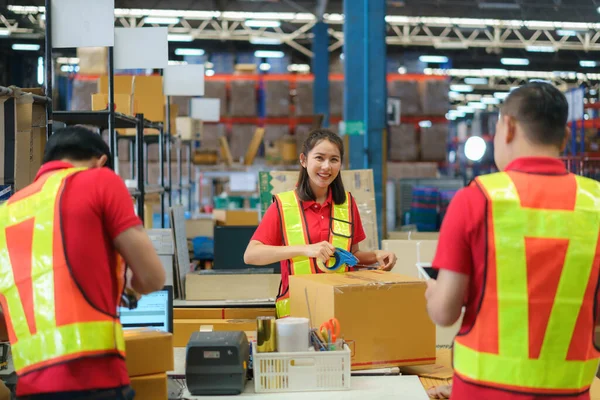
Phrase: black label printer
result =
(216, 363)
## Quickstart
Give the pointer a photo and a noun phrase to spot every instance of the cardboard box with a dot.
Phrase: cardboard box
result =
(151, 387)
(358, 182)
(383, 314)
(123, 84)
(148, 351)
(93, 60)
(199, 227)
(189, 128)
(184, 328)
(183, 104)
(148, 85)
(38, 133)
(231, 286)
(153, 107)
(236, 217)
(123, 103)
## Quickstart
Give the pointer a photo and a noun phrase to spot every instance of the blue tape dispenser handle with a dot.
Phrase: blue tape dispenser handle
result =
(341, 257)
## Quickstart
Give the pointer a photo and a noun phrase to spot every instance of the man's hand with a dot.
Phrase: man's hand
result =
(445, 297)
(386, 259)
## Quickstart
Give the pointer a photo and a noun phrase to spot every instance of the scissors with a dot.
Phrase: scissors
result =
(330, 329)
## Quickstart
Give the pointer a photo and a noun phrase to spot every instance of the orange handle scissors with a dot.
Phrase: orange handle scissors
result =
(331, 329)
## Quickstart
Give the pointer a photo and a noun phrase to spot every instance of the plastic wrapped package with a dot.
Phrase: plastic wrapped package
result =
(434, 142)
(81, 99)
(403, 145)
(217, 90)
(408, 93)
(336, 97)
(304, 99)
(243, 99)
(358, 182)
(434, 97)
(241, 136)
(277, 98)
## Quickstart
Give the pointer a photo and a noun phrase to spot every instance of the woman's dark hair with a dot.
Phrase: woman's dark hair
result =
(304, 190)
(76, 143)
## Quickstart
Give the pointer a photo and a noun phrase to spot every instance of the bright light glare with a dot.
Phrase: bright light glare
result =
(475, 148)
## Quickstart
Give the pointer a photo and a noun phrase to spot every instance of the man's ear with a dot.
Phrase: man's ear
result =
(511, 128)
(563, 146)
(102, 161)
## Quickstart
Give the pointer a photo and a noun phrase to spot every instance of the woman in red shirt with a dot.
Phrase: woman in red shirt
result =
(319, 189)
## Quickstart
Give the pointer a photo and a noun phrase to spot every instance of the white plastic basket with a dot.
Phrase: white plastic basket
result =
(308, 371)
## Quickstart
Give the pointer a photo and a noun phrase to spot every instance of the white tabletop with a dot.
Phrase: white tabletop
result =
(378, 387)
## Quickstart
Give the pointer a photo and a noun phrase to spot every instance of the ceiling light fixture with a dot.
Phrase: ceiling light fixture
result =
(514, 61)
(433, 59)
(257, 23)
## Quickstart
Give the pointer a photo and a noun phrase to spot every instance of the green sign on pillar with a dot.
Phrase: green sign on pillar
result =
(354, 128)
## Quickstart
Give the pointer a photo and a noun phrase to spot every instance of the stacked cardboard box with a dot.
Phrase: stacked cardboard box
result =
(336, 97)
(403, 143)
(277, 98)
(217, 90)
(304, 100)
(434, 142)
(434, 97)
(241, 136)
(149, 358)
(22, 138)
(189, 128)
(243, 98)
(408, 93)
(302, 132)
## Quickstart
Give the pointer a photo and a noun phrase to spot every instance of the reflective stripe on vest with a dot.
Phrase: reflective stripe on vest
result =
(48, 343)
(295, 233)
(512, 367)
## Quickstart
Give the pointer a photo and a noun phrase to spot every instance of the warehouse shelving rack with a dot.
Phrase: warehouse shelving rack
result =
(111, 120)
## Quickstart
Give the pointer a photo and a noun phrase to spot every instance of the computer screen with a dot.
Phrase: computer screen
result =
(154, 310)
(230, 245)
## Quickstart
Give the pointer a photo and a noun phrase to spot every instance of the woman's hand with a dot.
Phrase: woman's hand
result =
(322, 251)
(386, 259)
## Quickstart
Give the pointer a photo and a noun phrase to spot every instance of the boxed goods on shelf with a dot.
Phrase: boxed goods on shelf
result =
(403, 145)
(434, 97)
(434, 142)
(304, 98)
(241, 136)
(183, 103)
(93, 60)
(243, 98)
(408, 93)
(277, 98)
(217, 90)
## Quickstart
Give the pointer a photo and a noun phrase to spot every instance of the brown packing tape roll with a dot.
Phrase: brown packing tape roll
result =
(265, 335)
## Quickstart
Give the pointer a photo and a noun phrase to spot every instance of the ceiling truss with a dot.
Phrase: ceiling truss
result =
(440, 33)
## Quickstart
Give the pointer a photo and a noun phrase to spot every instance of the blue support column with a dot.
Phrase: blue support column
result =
(365, 91)
(320, 68)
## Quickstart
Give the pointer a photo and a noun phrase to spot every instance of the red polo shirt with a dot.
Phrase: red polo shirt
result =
(462, 248)
(96, 207)
(269, 231)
